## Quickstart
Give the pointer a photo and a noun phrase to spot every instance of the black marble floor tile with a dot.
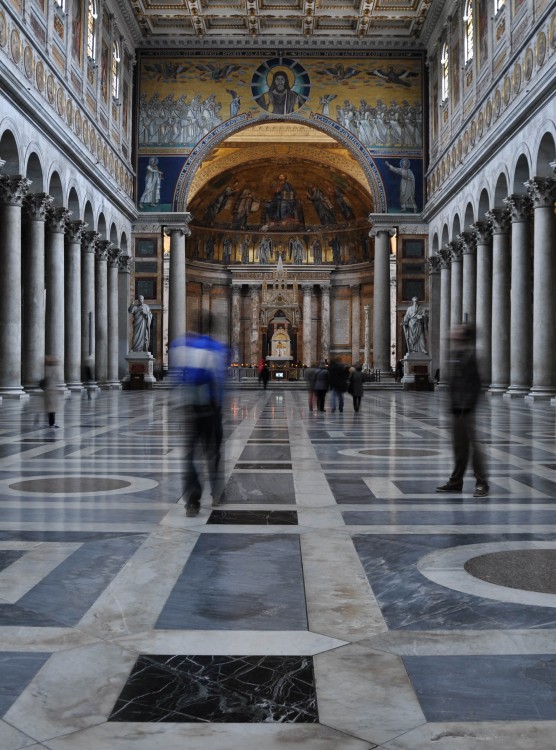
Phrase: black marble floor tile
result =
(255, 517)
(8, 557)
(264, 465)
(260, 487)
(478, 516)
(16, 671)
(348, 489)
(233, 689)
(484, 688)
(239, 582)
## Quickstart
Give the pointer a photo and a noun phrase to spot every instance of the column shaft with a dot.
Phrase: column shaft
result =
(177, 284)
(124, 274)
(101, 310)
(254, 349)
(236, 323)
(356, 323)
(456, 292)
(32, 345)
(55, 286)
(112, 328)
(12, 192)
(307, 324)
(500, 301)
(325, 323)
(483, 316)
(445, 306)
(434, 312)
(381, 302)
(72, 307)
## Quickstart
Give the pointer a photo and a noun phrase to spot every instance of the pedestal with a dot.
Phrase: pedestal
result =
(416, 372)
(140, 371)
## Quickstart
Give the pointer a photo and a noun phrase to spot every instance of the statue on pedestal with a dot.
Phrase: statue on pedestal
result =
(415, 325)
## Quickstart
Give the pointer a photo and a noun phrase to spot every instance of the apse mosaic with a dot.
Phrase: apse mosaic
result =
(374, 102)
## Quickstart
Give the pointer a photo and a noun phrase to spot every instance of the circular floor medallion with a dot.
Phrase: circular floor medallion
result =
(393, 452)
(77, 484)
(524, 569)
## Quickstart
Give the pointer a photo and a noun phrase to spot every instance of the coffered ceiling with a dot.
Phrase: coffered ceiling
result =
(304, 23)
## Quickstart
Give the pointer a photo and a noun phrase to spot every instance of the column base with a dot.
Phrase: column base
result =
(540, 394)
(114, 385)
(75, 387)
(497, 390)
(516, 391)
(16, 392)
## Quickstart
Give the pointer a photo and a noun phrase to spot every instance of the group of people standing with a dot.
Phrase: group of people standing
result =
(336, 378)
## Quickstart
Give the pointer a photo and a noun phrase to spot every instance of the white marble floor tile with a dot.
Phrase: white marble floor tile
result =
(490, 735)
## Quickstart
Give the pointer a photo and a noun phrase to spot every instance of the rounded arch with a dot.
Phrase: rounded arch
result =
(55, 189)
(456, 226)
(123, 244)
(73, 204)
(484, 204)
(522, 173)
(434, 244)
(113, 235)
(89, 216)
(235, 124)
(445, 235)
(469, 216)
(501, 190)
(9, 153)
(546, 154)
(101, 226)
(34, 172)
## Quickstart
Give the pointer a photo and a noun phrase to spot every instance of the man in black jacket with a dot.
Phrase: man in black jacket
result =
(465, 389)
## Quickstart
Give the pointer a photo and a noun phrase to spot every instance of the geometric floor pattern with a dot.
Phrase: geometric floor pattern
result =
(333, 601)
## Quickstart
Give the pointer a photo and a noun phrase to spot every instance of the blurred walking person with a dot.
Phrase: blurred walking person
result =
(355, 386)
(465, 388)
(199, 362)
(310, 374)
(51, 385)
(338, 383)
(322, 379)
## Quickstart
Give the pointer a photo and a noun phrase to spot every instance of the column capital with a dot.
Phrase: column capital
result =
(377, 229)
(57, 219)
(325, 290)
(499, 219)
(113, 257)
(435, 261)
(468, 242)
(124, 263)
(254, 290)
(36, 206)
(456, 250)
(236, 290)
(482, 231)
(307, 289)
(74, 230)
(102, 249)
(542, 191)
(206, 287)
(520, 207)
(182, 230)
(89, 240)
(445, 255)
(355, 290)
(13, 188)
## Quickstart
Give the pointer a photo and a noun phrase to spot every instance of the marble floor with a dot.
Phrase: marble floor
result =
(333, 601)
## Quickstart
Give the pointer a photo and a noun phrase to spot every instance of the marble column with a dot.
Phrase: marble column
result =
(367, 355)
(254, 349)
(13, 189)
(381, 302)
(307, 290)
(35, 208)
(501, 263)
(112, 318)
(325, 323)
(56, 223)
(445, 255)
(177, 324)
(456, 291)
(72, 305)
(521, 339)
(434, 312)
(469, 294)
(102, 249)
(88, 244)
(356, 323)
(483, 317)
(236, 323)
(542, 191)
(124, 275)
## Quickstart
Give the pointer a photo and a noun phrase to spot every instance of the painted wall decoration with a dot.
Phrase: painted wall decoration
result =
(376, 101)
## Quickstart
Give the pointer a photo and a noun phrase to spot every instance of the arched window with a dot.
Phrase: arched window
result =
(92, 15)
(468, 31)
(498, 5)
(116, 70)
(445, 72)
(60, 4)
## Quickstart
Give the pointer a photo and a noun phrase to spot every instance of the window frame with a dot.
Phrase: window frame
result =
(468, 32)
(92, 18)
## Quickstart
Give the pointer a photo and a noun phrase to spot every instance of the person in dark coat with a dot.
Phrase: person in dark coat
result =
(356, 386)
(310, 374)
(465, 388)
(338, 383)
(321, 386)
(264, 375)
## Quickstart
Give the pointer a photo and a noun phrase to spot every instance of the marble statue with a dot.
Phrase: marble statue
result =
(415, 327)
(142, 318)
